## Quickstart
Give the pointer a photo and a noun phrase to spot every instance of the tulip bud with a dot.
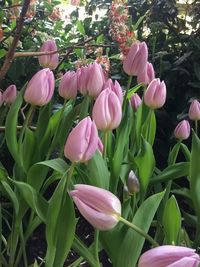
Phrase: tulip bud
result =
(182, 130)
(82, 142)
(194, 110)
(169, 256)
(116, 88)
(10, 94)
(98, 206)
(68, 85)
(107, 111)
(91, 80)
(136, 101)
(155, 95)
(133, 183)
(40, 89)
(147, 75)
(136, 60)
(49, 61)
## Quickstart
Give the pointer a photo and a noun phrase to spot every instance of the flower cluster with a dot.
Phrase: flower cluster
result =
(119, 29)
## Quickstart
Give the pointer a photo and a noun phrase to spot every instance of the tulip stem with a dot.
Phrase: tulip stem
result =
(196, 127)
(56, 132)
(70, 173)
(96, 246)
(105, 143)
(139, 231)
(127, 89)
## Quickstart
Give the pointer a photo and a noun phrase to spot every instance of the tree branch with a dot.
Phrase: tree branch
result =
(11, 51)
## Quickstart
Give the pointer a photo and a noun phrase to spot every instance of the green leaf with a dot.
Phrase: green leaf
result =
(173, 153)
(38, 171)
(134, 90)
(149, 127)
(34, 199)
(171, 221)
(11, 127)
(28, 149)
(98, 172)
(139, 21)
(80, 27)
(2, 53)
(60, 228)
(194, 174)
(172, 172)
(83, 251)
(12, 196)
(121, 142)
(145, 158)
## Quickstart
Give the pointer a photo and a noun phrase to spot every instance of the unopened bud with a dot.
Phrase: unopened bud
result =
(133, 183)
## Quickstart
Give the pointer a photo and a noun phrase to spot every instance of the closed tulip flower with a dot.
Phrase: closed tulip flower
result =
(136, 60)
(91, 80)
(194, 110)
(182, 130)
(107, 111)
(49, 61)
(82, 142)
(98, 206)
(136, 101)
(40, 89)
(133, 183)
(147, 75)
(155, 95)
(10, 94)
(169, 256)
(68, 85)
(115, 87)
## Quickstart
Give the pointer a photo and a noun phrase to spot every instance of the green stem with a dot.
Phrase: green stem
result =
(25, 124)
(196, 127)
(139, 231)
(70, 173)
(23, 247)
(127, 89)
(96, 246)
(56, 132)
(105, 144)
(14, 241)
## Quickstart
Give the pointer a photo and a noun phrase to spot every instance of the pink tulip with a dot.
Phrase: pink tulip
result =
(40, 89)
(169, 256)
(49, 61)
(115, 87)
(68, 85)
(107, 111)
(10, 94)
(194, 110)
(136, 60)
(91, 80)
(182, 130)
(136, 101)
(98, 206)
(155, 95)
(75, 2)
(82, 142)
(147, 75)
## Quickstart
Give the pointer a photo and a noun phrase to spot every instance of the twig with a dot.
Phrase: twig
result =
(11, 51)
(19, 127)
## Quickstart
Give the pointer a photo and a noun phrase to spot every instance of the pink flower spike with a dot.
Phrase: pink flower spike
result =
(99, 207)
